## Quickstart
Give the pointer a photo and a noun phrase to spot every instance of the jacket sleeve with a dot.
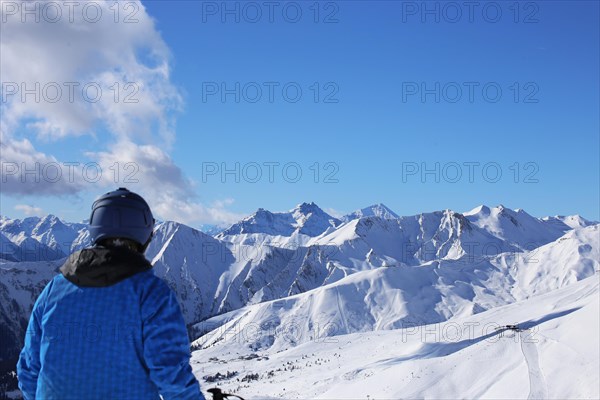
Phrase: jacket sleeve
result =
(28, 366)
(166, 345)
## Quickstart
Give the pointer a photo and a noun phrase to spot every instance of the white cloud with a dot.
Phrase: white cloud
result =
(124, 68)
(29, 210)
(152, 173)
(146, 166)
(130, 65)
(223, 203)
(174, 209)
(334, 213)
(26, 171)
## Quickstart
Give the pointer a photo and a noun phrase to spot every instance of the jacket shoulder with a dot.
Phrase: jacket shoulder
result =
(150, 285)
(148, 279)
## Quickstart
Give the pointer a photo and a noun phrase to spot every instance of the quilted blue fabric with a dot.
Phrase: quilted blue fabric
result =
(125, 341)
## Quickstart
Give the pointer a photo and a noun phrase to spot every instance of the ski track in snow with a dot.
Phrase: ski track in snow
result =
(341, 310)
(537, 383)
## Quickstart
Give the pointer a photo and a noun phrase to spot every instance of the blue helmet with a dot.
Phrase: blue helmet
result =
(121, 214)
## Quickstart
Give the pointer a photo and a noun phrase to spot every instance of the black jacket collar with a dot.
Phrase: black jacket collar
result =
(103, 266)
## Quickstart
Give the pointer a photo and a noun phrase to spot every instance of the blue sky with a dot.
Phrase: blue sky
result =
(380, 102)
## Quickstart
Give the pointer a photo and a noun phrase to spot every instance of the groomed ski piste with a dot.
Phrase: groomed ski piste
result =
(554, 354)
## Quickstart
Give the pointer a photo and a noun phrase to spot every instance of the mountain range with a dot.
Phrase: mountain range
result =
(320, 276)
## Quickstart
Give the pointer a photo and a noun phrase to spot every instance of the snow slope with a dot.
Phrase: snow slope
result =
(555, 356)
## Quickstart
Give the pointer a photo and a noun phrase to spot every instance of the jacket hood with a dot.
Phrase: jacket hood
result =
(103, 266)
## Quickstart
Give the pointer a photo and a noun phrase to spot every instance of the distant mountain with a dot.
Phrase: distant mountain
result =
(570, 221)
(40, 238)
(291, 228)
(516, 226)
(377, 210)
(401, 296)
(211, 229)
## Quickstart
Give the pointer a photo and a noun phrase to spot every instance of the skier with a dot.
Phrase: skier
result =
(107, 327)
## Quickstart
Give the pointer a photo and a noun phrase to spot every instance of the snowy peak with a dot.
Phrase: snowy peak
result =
(376, 210)
(411, 240)
(519, 215)
(307, 208)
(14, 227)
(306, 218)
(171, 232)
(262, 221)
(41, 239)
(312, 220)
(192, 263)
(479, 210)
(48, 222)
(483, 210)
(569, 221)
(515, 227)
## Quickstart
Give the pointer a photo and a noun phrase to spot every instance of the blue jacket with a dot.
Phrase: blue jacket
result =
(106, 328)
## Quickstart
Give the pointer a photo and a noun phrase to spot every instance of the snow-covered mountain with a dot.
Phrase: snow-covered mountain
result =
(20, 285)
(571, 221)
(211, 229)
(397, 296)
(376, 210)
(193, 264)
(285, 229)
(519, 228)
(40, 238)
(214, 275)
(368, 271)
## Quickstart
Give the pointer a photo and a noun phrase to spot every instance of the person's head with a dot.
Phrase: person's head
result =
(121, 218)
